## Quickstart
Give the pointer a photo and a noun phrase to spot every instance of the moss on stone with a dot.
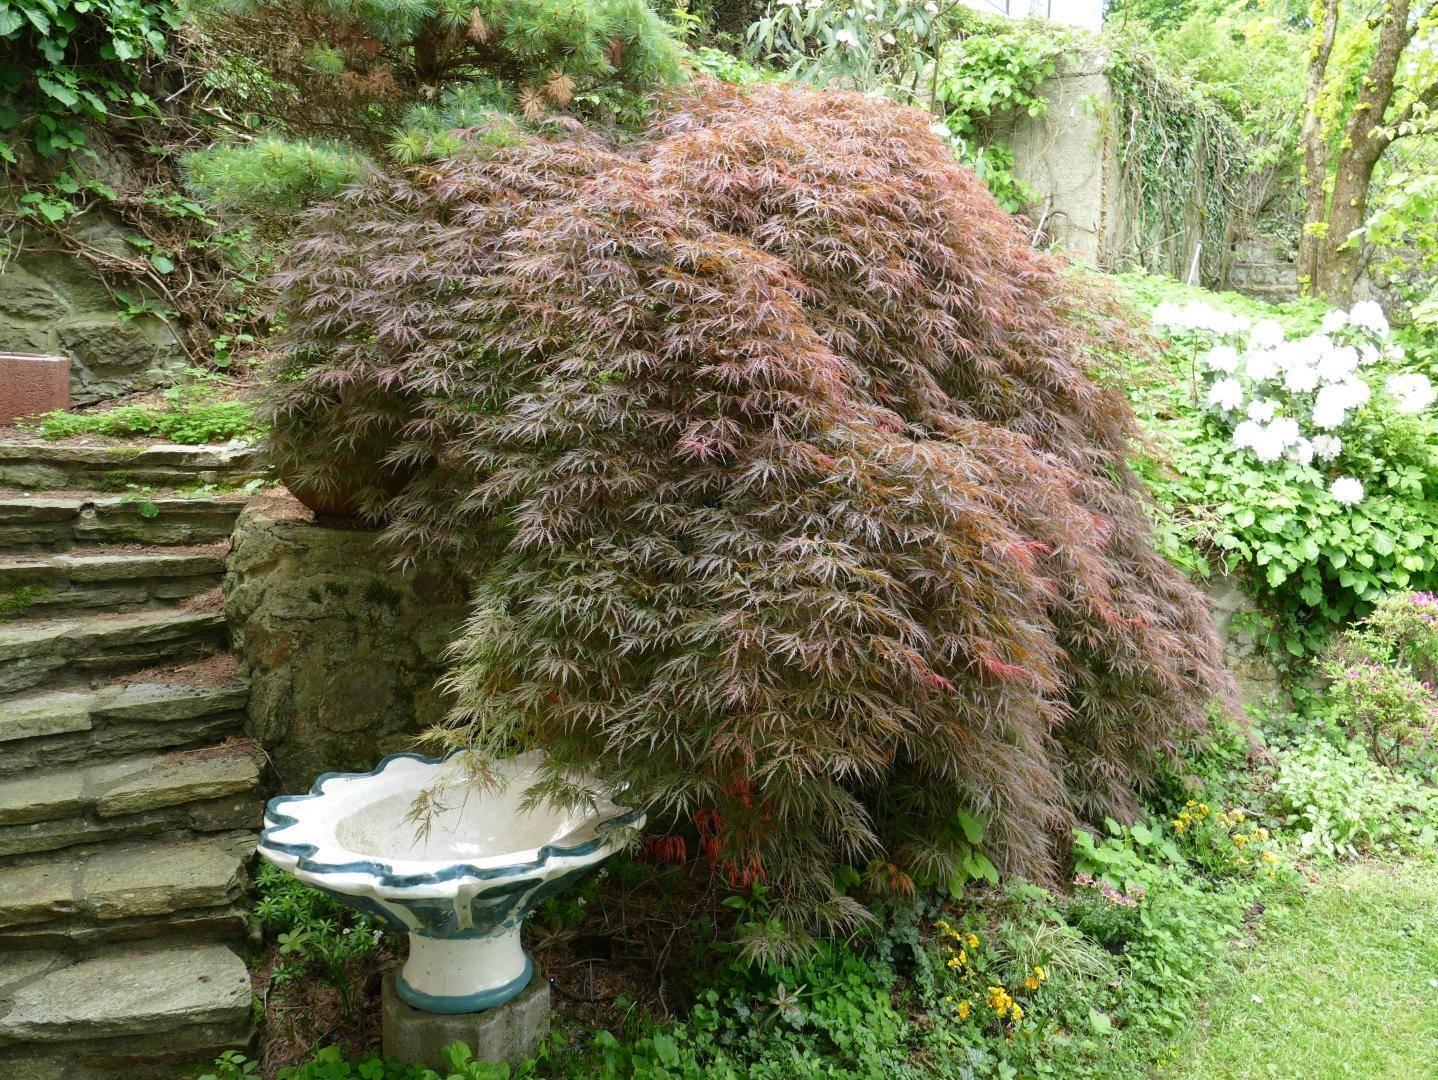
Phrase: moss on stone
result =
(13, 601)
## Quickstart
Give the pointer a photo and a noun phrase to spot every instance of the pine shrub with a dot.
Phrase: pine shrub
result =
(793, 501)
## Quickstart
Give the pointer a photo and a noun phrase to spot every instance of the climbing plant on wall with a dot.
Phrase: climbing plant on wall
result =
(1168, 139)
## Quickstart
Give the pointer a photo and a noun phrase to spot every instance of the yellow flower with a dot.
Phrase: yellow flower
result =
(955, 962)
(973, 942)
(1016, 1013)
(999, 1000)
(1031, 983)
(964, 1010)
(1040, 974)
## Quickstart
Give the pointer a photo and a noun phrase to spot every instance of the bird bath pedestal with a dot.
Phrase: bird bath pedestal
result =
(460, 885)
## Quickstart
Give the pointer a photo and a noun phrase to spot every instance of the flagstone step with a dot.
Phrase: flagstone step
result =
(209, 790)
(164, 711)
(34, 652)
(40, 585)
(59, 522)
(126, 1013)
(127, 891)
(38, 465)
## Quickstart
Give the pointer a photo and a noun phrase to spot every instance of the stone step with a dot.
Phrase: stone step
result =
(214, 789)
(166, 710)
(39, 585)
(127, 891)
(126, 1013)
(38, 465)
(40, 523)
(34, 652)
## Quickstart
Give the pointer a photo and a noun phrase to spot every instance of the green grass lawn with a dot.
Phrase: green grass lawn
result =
(1343, 983)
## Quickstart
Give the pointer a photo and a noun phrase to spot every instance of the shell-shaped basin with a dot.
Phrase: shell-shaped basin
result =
(459, 879)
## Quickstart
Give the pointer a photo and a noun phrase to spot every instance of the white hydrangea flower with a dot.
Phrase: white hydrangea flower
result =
(1330, 407)
(1346, 491)
(848, 38)
(1285, 430)
(1368, 354)
(1168, 314)
(1358, 393)
(1394, 352)
(1245, 434)
(1266, 334)
(1334, 321)
(1367, 315)
(1268, 443)
(1327, 447)
(1225, 394)
(1413, 392)
(1301, 450)
(1301, 379)
(1260, 365)
(1222, 358)
(1338, 363)
(1261, 410)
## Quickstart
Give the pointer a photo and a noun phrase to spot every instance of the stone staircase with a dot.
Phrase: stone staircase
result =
(129, 802)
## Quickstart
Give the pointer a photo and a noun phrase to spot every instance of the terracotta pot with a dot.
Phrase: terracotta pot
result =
(340, 506)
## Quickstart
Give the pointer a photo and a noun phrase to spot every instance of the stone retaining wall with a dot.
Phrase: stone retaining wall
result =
(342, 651)
(57, 303)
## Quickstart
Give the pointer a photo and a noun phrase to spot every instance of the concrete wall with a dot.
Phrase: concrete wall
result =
(1069, 160)
(1066, 158)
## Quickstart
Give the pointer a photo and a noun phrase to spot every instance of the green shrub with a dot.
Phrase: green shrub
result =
(1341, 802)
(1381, 674)
(270, 174)
(332, 1064)
(1316, 547)
(343, 84)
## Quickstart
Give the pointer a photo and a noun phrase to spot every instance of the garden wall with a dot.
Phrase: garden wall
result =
(341, 650)
(55, 302)
(1071, 159)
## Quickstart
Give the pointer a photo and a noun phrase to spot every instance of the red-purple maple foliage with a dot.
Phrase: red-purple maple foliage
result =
(792, 503)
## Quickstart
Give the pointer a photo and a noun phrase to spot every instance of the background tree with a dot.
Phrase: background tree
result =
(1371, 81)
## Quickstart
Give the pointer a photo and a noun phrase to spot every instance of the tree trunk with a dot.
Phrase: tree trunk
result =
(1328, 256)
(1311, 145)
(1339, 257)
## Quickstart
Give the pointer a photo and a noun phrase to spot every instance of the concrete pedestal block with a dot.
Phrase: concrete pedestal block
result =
(32, 383)
(508, 1032)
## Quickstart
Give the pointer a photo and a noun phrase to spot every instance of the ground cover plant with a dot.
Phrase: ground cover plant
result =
(798, 513)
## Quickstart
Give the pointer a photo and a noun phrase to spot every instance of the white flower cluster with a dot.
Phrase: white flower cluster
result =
(1289, 398)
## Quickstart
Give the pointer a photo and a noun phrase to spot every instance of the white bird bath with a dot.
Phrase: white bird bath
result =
(462, 888)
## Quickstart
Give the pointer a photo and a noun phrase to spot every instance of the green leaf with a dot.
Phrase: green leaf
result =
(973, 827)
(61, 93)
